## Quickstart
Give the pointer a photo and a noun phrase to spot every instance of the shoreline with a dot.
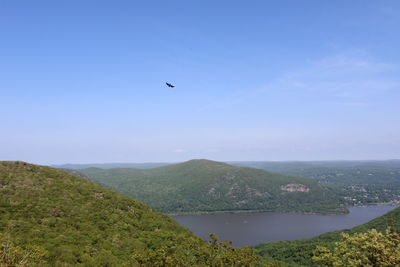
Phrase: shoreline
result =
(346, 211)
(253, 211)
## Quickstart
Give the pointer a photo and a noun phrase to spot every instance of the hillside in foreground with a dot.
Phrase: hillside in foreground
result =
(297, 253)
(209, 186)
(68, 221)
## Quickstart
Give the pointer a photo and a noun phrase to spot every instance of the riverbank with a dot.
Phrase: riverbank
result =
(341, 210)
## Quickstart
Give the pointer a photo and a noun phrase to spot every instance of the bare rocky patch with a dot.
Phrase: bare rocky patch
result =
(295, 188)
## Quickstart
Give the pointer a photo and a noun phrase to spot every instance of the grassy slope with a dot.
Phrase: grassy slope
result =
(206, 186)
(299, 252)
(80, 223)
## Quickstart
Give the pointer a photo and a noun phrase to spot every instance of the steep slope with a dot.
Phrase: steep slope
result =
(74, 222)
(299, 252)
(209, 186)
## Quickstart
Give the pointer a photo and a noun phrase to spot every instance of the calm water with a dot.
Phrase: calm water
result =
(246, 229)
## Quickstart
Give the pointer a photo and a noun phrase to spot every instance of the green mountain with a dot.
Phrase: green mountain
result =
(299, 252)
(209, 186)
(52, 218)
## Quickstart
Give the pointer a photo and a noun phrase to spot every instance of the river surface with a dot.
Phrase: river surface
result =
(247, 229)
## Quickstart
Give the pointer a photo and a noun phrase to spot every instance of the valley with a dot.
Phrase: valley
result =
(59, 218)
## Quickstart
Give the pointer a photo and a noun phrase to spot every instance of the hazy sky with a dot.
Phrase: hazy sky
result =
(83, 81)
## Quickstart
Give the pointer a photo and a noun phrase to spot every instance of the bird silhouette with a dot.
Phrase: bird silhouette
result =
(170, 85)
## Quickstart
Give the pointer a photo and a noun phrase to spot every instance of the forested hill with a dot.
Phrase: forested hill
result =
(51, 218)
(299, 252)
(210, 186)
(362, 182)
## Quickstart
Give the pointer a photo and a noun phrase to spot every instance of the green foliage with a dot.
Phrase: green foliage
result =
(11, 255)
(209, 186)
(51, 218)
(221, 254)
(300, 252)
(372, 248)
(359, 182)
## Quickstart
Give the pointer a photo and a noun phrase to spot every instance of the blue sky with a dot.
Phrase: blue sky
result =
(83, 81)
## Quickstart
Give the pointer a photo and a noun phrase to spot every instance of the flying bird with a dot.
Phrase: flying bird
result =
(170, 85)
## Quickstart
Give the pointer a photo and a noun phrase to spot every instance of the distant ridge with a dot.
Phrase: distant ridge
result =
(249, 163)
(268, 165)
(202, 185)
(145, 165)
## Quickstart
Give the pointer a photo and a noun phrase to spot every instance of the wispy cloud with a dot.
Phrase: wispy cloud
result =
(351, 104)
(344, 77)
(391, 11)
(213, 150)
(340, 74)
(179, 150)
(344, 64)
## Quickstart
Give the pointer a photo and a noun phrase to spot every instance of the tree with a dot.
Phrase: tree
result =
(11, 255)
(372, 248)
(218, 254)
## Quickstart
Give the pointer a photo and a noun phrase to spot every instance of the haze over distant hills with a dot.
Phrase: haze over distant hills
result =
(145, 165)
(288, 166)
(273, 166)
(210, 186)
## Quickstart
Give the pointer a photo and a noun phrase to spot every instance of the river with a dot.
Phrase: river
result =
(248, 229)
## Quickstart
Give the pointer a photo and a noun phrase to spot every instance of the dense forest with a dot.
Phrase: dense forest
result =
(359, 182)
(209, 186)
(51, 218)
